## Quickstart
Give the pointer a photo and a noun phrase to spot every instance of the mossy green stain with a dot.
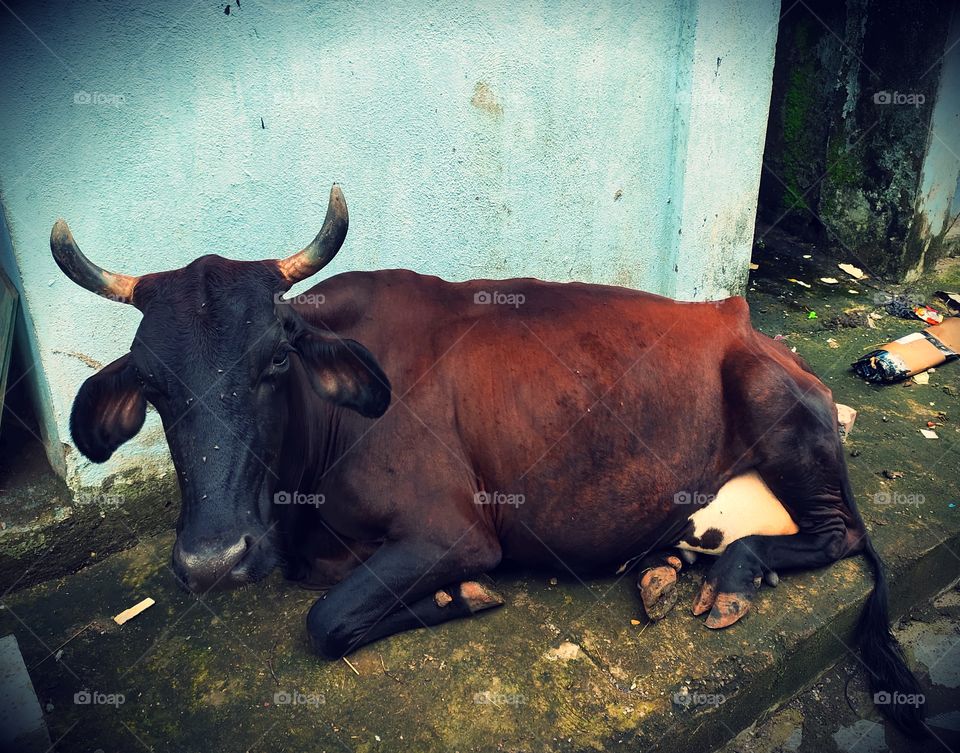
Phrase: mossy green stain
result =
(799, 111)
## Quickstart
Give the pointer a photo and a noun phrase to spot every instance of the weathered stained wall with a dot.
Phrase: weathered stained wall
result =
(935, 230)
(620, 144)
(862, 143)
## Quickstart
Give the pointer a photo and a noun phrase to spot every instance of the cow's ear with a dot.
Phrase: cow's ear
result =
(109, 410)
(344, 372)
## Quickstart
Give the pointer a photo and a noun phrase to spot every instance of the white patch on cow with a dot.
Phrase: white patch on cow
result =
(744, 506)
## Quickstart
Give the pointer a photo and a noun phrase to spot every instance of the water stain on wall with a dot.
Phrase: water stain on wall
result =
(484, 99)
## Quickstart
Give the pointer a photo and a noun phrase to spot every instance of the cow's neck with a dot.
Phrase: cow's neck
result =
(314, 440)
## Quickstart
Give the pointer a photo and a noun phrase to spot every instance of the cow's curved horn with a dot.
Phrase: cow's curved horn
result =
(324, 247)
(76, 266)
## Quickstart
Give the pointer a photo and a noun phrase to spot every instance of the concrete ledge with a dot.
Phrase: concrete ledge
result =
(49, 531)
(560, 668)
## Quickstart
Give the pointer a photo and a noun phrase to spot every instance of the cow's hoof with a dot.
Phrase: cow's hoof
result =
(704, 600)
(658, 589)
(727, 609)
(478, 597)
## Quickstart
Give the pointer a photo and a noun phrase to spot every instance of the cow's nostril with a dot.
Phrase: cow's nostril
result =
(244, 546)
(203, 565)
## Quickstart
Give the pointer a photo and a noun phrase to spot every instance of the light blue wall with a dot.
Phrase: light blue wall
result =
(938, 202)
(616, 144)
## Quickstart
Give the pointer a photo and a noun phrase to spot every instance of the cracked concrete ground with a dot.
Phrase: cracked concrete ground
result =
(836, 712)
(565, 665)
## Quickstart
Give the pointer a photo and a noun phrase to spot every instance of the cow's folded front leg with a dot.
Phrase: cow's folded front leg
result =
(448, 603)
(398, 589)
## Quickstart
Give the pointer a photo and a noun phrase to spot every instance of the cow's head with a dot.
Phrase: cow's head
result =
(215, 354)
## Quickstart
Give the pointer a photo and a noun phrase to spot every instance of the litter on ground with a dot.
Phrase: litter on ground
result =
(129, 614)
(951, 299)
(911, 354)
(853, 271)
(845, 418)
(928, 315)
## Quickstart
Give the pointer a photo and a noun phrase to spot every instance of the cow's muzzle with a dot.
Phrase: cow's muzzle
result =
(205, 564)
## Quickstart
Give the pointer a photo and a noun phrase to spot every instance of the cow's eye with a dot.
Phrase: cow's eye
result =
(280, 360)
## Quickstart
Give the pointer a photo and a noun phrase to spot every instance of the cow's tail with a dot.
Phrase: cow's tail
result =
(896, 691)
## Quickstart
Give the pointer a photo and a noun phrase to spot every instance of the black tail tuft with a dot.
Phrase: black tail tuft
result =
(896, 692)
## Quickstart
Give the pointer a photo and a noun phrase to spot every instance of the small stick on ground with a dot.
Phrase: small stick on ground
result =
(349, 664)
(272, 672)
(62, 644)
(270, 665)
(386, 672)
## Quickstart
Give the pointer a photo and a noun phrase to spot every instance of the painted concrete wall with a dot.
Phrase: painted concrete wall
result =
(617, 144)
(937, 213)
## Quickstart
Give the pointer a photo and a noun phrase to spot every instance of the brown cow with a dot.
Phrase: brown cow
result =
(544, 423)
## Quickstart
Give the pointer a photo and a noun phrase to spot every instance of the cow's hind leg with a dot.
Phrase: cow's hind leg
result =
(733, 579)
(800, 458)
(790, 430)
